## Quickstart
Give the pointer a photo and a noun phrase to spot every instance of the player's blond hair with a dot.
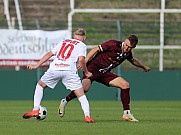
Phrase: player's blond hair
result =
(80, 32)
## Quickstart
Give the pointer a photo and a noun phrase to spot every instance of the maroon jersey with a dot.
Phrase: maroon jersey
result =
(109, 57)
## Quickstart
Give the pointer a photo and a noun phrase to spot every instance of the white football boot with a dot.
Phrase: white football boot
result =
(61, 109)
(129, 117)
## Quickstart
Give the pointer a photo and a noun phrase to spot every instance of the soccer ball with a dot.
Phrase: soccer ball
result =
(43, 113)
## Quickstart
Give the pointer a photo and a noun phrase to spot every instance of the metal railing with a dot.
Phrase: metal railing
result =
(161, 11)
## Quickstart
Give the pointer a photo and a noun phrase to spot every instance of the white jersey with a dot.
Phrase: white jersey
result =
(66, 54)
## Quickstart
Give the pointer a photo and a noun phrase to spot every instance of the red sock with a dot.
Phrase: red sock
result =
(125, 98)
(70, 96)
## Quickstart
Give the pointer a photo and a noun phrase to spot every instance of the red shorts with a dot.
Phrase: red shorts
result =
(103, 78)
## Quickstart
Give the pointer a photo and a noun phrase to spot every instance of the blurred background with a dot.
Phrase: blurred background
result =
(157, 23)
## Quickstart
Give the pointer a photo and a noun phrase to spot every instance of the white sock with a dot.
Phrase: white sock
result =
(85, 105)
(38, 97)
(127, 112)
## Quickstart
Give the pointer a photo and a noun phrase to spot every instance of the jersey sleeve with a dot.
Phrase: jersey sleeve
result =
(106, 45)
(82, 50)
(56, 48)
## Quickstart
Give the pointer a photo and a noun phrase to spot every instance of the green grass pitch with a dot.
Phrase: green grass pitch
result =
(155, 118)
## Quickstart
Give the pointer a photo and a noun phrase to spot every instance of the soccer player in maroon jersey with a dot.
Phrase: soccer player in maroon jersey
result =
(100, 60)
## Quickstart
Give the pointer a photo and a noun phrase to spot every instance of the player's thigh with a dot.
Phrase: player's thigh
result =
(119, 82)
(71, 80)
(51, 78)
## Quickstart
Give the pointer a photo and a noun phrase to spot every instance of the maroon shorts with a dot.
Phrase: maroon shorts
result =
(103, 78)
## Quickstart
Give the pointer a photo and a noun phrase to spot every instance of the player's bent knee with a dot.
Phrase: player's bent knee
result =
(125, 85)
(79, 92)
(43, 85)
(86, 90)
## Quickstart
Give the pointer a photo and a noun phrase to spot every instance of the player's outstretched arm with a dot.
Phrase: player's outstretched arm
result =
(43, 59)
(92, 53)
(89, 56)
(137, 63)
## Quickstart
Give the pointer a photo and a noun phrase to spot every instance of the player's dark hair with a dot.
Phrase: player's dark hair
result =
(133, 40)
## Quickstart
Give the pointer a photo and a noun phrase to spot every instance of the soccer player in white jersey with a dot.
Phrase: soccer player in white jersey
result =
(63, 68)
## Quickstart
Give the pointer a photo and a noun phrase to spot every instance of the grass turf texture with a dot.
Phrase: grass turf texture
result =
(156, 118)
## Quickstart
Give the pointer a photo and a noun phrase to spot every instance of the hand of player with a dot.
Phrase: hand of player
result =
(79, 67)
(31, 67)
(146, 69)
(88, 74)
